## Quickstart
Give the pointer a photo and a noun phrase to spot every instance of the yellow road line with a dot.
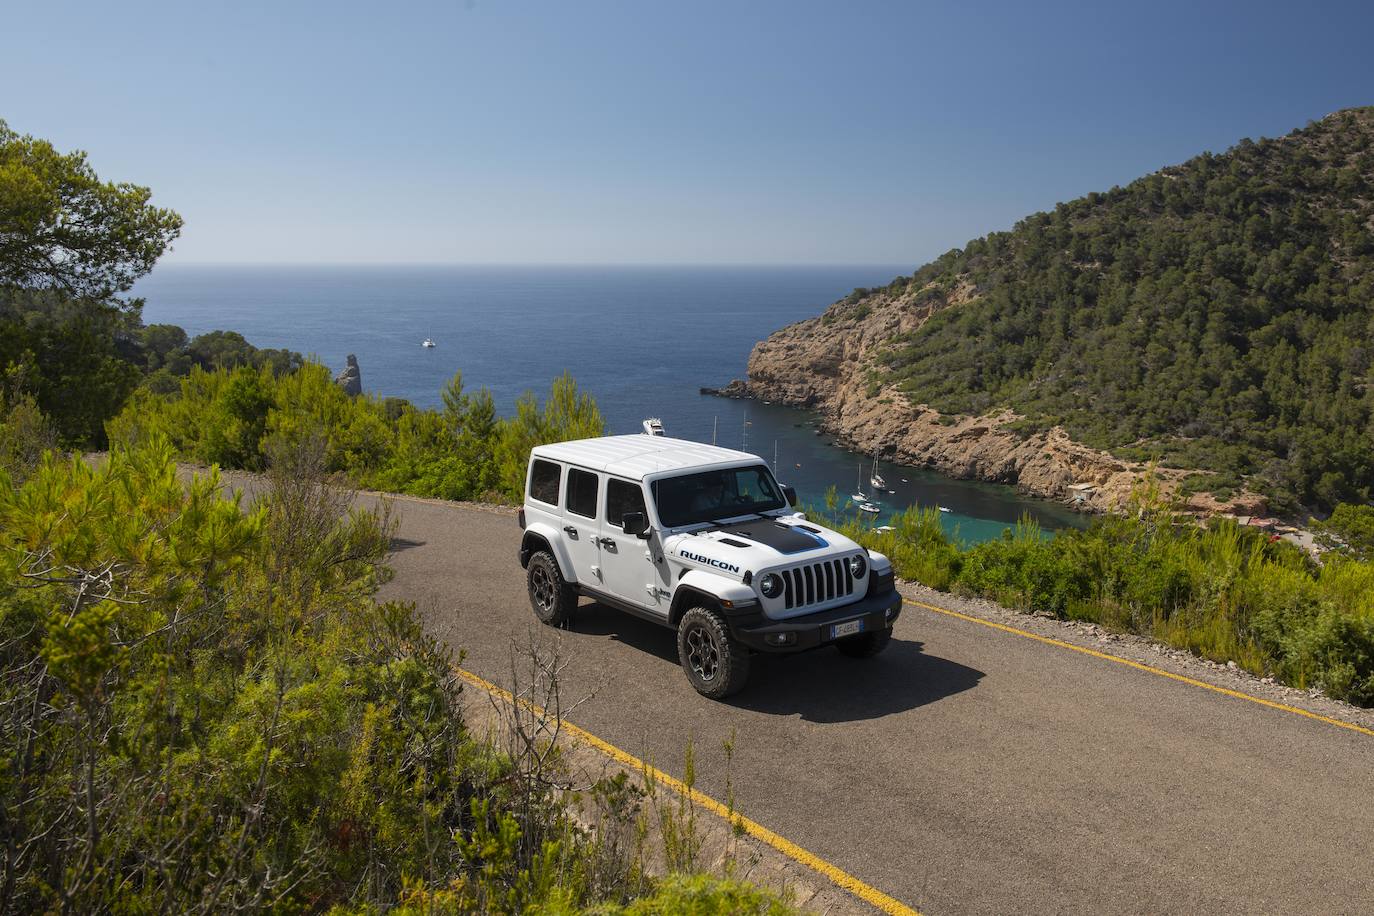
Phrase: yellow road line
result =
(838, 876)
(1141, 666)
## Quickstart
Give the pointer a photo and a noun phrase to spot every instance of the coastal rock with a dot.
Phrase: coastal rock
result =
(826, 364)
(1243, 503)
(351, 378)
(738, 388)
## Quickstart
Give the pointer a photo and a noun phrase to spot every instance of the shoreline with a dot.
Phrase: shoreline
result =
(1104, 482)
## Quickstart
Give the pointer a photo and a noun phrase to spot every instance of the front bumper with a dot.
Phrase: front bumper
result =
(878, 610)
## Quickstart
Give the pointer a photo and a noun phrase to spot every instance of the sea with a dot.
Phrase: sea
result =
(642, 340)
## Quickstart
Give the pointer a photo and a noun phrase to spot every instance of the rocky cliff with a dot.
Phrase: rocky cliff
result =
(830, 364)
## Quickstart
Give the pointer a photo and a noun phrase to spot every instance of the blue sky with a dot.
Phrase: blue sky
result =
(639, 132)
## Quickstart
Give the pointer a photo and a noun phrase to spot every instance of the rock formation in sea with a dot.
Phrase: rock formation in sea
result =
(351, 378)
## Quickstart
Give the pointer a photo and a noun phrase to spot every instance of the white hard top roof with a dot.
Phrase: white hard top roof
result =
(637, 456)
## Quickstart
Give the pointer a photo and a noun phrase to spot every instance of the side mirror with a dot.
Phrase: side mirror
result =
(790, 493)
(635, 523)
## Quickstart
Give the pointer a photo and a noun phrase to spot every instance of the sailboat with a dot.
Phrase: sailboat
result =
(429, 343)
(877, 479)
(858, 495)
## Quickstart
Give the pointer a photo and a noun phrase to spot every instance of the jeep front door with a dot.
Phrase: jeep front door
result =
(627, 561)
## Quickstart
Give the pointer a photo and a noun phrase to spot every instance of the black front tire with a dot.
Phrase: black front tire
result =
(716, 665)
(552, 598)
(865, 645)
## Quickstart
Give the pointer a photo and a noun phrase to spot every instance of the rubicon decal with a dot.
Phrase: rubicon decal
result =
(718, 564)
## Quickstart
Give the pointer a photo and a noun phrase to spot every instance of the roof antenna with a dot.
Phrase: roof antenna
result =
(714, 420)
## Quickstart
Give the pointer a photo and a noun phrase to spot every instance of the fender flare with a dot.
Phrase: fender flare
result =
(712, 588)
(552, 540)
(878, 562)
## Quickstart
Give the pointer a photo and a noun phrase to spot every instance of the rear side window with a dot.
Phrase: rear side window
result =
(621, 497)
(582, 493)
(544, 481)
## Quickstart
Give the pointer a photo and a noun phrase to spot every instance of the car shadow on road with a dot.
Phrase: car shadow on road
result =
(596, 619)
(825, 686)
(819, 686)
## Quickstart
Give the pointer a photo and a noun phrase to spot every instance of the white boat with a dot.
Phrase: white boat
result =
(858, 495)
(429, 343)
(869, 508)
(876, 480)
(884, 528)
(944, 508)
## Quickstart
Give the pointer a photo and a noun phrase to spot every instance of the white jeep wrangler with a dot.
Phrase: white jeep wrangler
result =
(703, 540)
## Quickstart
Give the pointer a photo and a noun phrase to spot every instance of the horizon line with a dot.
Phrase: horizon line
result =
(587, 264)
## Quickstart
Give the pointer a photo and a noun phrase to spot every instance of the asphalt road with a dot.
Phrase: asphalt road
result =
(964, 770)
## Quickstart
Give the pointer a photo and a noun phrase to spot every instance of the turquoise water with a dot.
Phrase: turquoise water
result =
(642, 340)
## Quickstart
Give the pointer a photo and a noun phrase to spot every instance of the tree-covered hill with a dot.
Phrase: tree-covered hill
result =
(1217, 314)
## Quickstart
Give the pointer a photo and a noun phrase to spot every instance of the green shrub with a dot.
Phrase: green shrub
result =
(1023, 569)
(25, 434)
(238, 417)
(1349, 530)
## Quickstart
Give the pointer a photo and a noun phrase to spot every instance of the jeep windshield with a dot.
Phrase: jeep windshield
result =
(709, 496)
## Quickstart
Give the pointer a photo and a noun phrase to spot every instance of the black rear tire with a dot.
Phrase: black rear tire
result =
(716, 665)
(865, 645)
(552, 598)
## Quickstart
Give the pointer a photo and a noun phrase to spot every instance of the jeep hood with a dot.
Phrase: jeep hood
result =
(759, 543)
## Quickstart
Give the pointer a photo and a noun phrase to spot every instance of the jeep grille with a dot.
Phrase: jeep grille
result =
(815, 583)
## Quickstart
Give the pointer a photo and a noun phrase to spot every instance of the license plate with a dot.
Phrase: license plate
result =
(848, 628)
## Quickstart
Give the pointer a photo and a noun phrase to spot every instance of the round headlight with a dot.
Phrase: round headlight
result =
(770, 585)
(858, 566)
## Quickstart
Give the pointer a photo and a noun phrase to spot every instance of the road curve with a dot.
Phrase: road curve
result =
(965, 770)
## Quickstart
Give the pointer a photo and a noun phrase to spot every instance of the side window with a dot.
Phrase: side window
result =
(544, 481)
(621, 497)
(582, 493)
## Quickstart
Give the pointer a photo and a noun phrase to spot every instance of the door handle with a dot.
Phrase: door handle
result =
(606, 542)
(571, 531)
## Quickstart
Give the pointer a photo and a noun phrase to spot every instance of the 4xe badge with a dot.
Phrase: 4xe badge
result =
(709, 561)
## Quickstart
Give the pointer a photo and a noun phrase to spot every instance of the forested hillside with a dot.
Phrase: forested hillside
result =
(1216, 315)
